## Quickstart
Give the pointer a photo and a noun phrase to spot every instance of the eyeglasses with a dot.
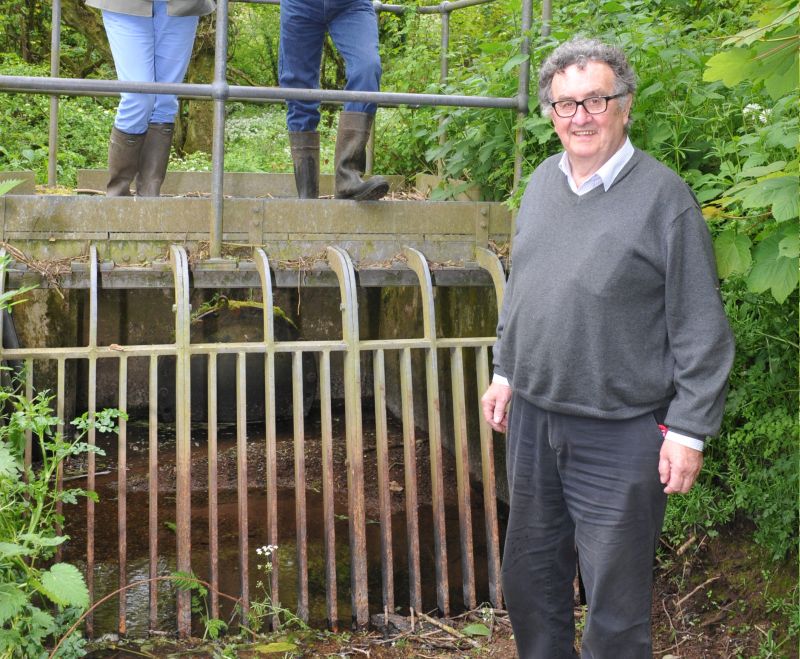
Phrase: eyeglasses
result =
(592, 105)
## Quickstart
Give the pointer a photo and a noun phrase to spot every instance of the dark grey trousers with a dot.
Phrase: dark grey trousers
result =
(590, 484)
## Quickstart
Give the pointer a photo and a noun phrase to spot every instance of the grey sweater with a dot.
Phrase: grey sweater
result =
(612, 308)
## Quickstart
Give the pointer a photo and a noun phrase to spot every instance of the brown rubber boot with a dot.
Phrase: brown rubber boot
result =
(351, 159)
(153, 159)
(123, 162)
(305, 156)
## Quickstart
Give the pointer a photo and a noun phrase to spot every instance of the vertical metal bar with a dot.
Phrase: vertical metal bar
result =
(262, 265)
(241, 478)
(444, 49)
(523, 86)
(385, 504)
(152, 492)
(183, 446)
(417, 262)
(29, 396)
(219, 93)
(489, 491)
(60, 394)
(213, 503)
(410, 469)
(327, 488)
(488, 261)
(122, 494)
(90, 439)
(547, 17)
(341, 263)
(55, 66)
(462, 477)
(301, 527)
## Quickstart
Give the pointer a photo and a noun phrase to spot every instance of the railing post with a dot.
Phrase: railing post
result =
(219, 93)
(55, 66)
(444, 48)
(418, 263)
(183, 445)
(342, 265)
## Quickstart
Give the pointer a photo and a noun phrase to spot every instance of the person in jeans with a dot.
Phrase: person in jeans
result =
(353, 27)
(614, 351)
(151, 41)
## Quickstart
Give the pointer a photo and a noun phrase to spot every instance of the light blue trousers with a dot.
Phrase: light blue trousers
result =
(153, 48)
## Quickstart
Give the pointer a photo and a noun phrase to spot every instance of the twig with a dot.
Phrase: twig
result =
(450, 630)
(700, 587)
(682, 549)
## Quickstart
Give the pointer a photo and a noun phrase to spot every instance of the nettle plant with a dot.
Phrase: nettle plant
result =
(39, 599)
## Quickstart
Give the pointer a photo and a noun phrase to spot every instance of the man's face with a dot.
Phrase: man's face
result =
(589, 139)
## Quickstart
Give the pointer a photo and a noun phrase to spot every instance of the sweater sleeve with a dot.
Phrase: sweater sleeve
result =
(699, 336)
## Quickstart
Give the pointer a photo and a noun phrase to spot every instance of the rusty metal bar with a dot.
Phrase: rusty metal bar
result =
(301, 526)
(29, 396)
(341, 263)
(410, 472)
(213, 502)
(418, 263)
(91, 435)
(326, 427)
(462, 478)
(489, 489)
(60, 379)
(241, 480)
(152, 492)
(122, 494)
(384, 494)
(262, 265)
(183, 446)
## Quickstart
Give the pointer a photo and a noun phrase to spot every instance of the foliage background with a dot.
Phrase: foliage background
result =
(717, 102)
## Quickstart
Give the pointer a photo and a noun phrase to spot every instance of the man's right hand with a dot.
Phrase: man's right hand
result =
(494, 404)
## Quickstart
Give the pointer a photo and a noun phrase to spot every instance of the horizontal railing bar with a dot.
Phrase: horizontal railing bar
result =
(81, 87)
(105, 352)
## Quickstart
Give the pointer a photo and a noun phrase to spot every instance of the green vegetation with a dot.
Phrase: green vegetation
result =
(718, 102)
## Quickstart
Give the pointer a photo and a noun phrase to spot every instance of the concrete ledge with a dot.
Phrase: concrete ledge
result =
(235, 184)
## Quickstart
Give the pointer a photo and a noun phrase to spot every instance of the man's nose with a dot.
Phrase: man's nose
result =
(581, 116)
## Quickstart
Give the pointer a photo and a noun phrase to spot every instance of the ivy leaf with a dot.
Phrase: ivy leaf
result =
(771, 271)
(733, 253)
(64, 585)
(12, 600)
(475, 629)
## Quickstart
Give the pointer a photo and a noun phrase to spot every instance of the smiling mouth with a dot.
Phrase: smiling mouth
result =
(584, 133)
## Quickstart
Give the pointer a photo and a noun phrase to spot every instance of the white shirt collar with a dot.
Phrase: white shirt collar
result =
(605, 175)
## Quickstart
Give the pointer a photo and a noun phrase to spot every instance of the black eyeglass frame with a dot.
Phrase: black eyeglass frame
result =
(581, 104)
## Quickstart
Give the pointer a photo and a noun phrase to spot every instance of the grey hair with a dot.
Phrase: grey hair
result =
(580, 52)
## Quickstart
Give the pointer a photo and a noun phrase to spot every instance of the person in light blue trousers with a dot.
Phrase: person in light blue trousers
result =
(151, 41)
(353, 27)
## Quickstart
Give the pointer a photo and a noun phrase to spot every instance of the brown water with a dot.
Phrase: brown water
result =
(106, 569)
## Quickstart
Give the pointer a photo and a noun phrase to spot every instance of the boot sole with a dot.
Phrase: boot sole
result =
(378, 191)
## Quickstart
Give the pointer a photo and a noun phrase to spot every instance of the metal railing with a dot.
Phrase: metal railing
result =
(353, 348)
(221, 92)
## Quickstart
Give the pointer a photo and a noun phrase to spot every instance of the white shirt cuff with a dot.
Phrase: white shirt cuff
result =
(691, 442)
(499, 379)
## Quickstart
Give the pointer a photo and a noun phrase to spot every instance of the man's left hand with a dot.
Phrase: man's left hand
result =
(678, 467)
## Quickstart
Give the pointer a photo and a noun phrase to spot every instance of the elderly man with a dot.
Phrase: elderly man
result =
(614, 350)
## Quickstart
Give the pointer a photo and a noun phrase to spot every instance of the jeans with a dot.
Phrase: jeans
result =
(589, 485)
(153, 48)
(353, 27)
